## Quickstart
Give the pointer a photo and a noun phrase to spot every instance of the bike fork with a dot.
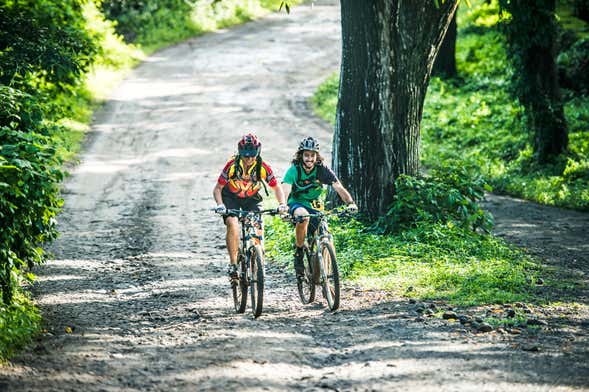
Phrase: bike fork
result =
(322, 272)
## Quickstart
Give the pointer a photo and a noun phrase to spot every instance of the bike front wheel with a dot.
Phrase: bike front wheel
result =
(256, 271)
(329, 276)
(239, 286)
(306, 284)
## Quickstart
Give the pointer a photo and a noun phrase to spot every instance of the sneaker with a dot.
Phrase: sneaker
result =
(232, 272)
(298, 262)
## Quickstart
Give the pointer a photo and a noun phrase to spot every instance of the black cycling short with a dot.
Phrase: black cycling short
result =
(237, 203)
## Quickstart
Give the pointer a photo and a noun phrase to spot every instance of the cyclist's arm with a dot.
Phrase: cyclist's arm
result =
(286, 190)
(279, 194)
(217, 193)
(342, 192)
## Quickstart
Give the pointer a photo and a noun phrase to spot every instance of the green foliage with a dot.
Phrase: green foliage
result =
(18, 323)
(114, 52)
(279, 240)
(149, 22)
(29, 192)
(152, 23)
(572, 20)
(428, 261)
(44, 40)
(45, 51)
(445, 261)
(447, 196)
(324, 100)
(135, 16)
(475, 121)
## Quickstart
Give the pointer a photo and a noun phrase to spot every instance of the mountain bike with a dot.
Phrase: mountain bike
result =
(250, 260)
(320, 263)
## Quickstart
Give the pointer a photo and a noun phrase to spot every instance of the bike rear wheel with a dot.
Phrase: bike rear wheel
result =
(306, 285)
(330, 276)
(256, 269)
(239, 287)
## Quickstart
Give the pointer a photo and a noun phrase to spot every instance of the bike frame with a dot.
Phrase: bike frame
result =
(250, 260)
(252, 228)
(320, 237)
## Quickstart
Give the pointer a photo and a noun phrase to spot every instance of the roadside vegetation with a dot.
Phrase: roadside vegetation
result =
(434, 241)
(58, 62)
(432, 245)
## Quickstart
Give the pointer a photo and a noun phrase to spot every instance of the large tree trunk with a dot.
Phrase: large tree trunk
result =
(546, 113)
(531, 34)
(445, 64)
(388, 51)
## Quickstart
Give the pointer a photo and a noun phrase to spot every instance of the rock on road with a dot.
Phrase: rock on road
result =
(137, 298)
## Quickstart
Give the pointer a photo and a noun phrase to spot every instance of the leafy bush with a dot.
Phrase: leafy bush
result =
(324, 100)
(29, 192)
(137, 20)
(449, 196)
(153, 22)
(18, 323)
(45, 39)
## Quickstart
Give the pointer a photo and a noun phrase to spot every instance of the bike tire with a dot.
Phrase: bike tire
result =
(330, 276)
(239, 288)
(306, 285)
(256, 266)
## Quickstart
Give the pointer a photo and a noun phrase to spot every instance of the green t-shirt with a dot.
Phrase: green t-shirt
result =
(307, 187)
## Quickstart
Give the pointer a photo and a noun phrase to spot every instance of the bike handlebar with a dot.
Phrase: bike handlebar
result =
(319, 214)
(240, 213)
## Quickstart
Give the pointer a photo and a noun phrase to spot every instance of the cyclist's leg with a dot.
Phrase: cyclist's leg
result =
(232, 235)
(297, 210)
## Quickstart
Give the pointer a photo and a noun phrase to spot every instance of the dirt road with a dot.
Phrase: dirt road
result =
(137, 298)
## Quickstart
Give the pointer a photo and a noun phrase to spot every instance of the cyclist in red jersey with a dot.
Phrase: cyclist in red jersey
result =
(238, 187)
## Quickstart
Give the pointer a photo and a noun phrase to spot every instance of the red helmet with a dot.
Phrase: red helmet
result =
(249, 146)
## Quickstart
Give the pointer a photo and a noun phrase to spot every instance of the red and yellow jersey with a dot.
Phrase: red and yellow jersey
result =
(244, 183)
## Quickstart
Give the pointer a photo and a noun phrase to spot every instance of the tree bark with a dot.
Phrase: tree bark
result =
(445, 64)
(531, 34)
(546, 113)
(388, 50)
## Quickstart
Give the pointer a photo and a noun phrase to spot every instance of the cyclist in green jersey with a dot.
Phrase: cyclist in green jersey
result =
(302, 185)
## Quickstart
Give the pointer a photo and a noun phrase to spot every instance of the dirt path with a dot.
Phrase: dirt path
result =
(138, 276)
